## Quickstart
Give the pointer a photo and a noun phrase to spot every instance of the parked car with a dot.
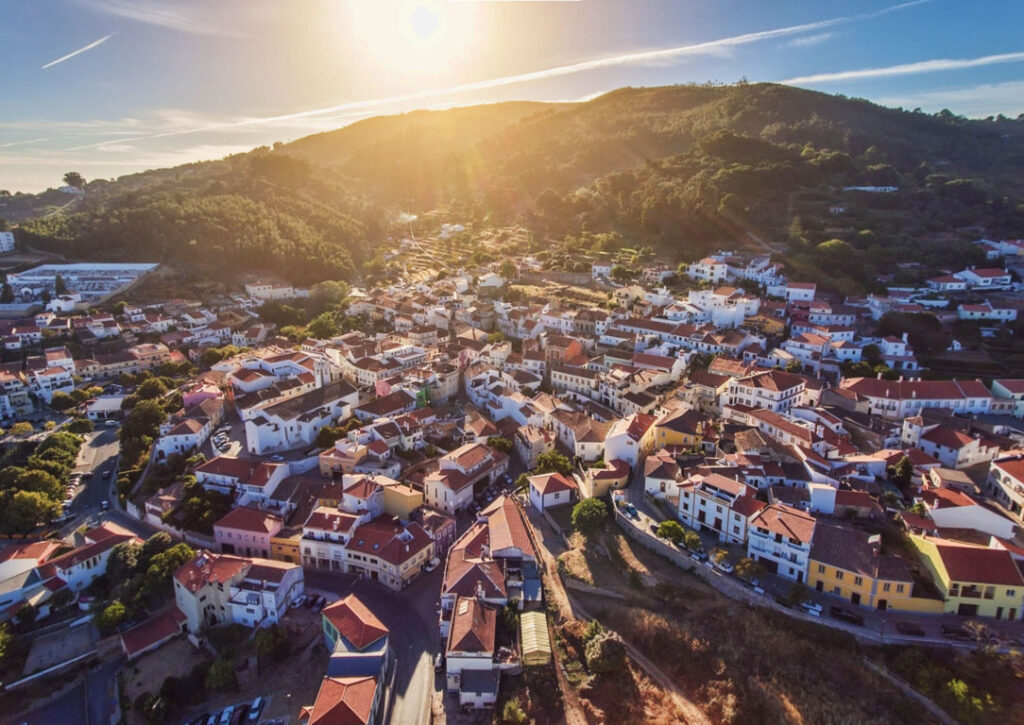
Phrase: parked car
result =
(909, 629)
(255, 708)
(104, 505)
(310, 601)
(812, 610)
(699, 555)
(846, 615)
(438, 662)
(63, 519)
(812, 605)
(240, 715)
(724, 566)
(432, 564)
(631, 511)
(299, 601)
(225, 715)
(277, 457)
(958, 634)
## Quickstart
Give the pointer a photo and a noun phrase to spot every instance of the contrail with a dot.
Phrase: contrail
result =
(23, 143)
(587, 65)
(924, 66)
(73, 53)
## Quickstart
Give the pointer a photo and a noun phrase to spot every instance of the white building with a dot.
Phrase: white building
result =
(780, 539)
(6, 242)
(295, 422)
(551, 489)
(719, 505)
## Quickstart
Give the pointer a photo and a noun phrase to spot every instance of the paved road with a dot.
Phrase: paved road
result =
(414, 634)
(102, 698)
(67, 709)
(97, 457)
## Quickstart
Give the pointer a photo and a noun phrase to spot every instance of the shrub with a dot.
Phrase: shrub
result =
(606, 653)
(588, 515)
(672, 531)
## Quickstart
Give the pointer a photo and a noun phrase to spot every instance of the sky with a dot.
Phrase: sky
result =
(110, 87)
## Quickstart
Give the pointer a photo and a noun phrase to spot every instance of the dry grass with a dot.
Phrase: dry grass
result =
(147, 674)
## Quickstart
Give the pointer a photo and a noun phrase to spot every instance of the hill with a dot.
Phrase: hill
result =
(683, 168)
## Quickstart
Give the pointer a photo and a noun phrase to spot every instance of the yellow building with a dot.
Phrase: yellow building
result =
(683, 428)
(975, 581)
(401, 500)
(286, 547)
(848, 563)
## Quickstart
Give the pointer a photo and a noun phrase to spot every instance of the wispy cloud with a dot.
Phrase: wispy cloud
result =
(173, 15)
(81, 50)
(986, 99)
(809, 40)
(639, 58)
(924, 66)
(12, 144)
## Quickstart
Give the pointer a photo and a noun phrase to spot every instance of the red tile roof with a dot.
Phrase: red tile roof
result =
(207, 568)
(979, 565)
(153, 631)
(474, 626)
(355, 622)
(547, 483)
(245, 518)
(344, 701)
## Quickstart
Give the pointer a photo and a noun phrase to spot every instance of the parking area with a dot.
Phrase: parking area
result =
(228, 439)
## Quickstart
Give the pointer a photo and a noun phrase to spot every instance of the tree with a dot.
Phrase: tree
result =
(151, 389)
(499, 443)
(691, 540)
(60, 287)
(327, 436)
(672, 531)
(588, 515)
(522, 482)
(323, 326)
(606, 653)
(41, 482)
(719, 555)
(620, 274)
(123, 561)
(747, 568)
(512, 713)
(901, 473)
(553, 462)
(62, 401)
(113, 616)
(273, 643)
(75, 179)
(7, 294)
(221, 676)
(21, 511)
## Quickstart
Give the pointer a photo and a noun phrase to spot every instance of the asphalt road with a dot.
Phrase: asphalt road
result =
(97, 457)
(414, 635)
(66, 709)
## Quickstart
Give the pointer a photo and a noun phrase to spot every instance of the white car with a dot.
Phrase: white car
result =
(432, 564)
(724, 566)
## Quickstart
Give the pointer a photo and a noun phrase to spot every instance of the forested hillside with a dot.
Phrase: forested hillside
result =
(682, 168)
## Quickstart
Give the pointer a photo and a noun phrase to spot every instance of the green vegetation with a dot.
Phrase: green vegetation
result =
(553, 462)
(32, 479)
(589, 515)
(672, 530)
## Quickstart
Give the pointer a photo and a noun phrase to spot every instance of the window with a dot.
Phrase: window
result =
(899, 588)
(1011, 592)
(886, 587)
(821, 568)
(858, 581)
(839, 575)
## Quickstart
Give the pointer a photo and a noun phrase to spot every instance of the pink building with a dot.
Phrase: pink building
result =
(246, 531)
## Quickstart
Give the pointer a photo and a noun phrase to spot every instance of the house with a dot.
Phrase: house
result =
(1013, 390)
(780, 537)
(81, 566)
(253, 480)
(153, 633)
(346, 701)
(357, 640)
(708, 270)
(246, 531)
(551, 489)
(953, 509)
(901, 399)
(1006, 484)
(986, 278)
(772, 390)
(719, 505)
(629, 438)
(848, 563)
(530, 442)
(975, 581)
(956, 449)
(295, 422)
(682, 428)
(460, 474)
(214, 589)
(470, 652)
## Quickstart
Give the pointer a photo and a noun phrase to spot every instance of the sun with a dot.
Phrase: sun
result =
(418, 37)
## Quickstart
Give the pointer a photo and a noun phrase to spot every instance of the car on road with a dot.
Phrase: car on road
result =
(111, 423)
(64, 518)
(432, 564)
(846, 615)
(814, 611)
(957, 634)
(631, 512)
(699, 555)
(277, 457)
(255, 708)
(909, 629)
(104, 505)
(724, 566)
(438, 662)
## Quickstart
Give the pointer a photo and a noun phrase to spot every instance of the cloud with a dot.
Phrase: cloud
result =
(648, 57)
(83, 49)
(986, 99)
(172, 15)
(809, 40)
(26, 142)
(924, 66)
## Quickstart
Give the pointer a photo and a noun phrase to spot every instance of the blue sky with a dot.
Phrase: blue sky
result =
(107, 87)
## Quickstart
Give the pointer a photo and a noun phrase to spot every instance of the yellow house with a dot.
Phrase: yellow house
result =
(975, 581)
(285, 547)
(848, 563)
(401, 500)
(683, 428)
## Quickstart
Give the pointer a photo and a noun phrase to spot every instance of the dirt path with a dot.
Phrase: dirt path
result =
(572, 609)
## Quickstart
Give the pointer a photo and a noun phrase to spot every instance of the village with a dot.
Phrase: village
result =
(400, 502)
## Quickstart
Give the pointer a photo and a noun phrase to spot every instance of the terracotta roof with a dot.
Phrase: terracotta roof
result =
(344, 701)
(386, 538)
(506, 528)
(355, 622)
(325, 518)
(209, 568)
(970, 564)
(245, 518)
(789, 522)
(474, 626)
(547, 483)
(947, 438)
(153, 631)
